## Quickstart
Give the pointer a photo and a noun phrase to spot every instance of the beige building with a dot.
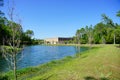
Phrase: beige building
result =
(57, 40)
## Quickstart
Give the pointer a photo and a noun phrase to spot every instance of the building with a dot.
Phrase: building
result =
(57, 40)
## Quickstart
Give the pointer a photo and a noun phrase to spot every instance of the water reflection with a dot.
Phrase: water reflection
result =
(77, 49)
(3, 65)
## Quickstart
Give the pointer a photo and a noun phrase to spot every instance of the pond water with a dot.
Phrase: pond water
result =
(39, 54)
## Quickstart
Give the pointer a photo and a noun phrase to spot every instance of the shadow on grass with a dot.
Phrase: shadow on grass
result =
(93, 78)
(47, 77)
(118, 46)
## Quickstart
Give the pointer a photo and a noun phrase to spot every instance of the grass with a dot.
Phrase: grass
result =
(99, 63)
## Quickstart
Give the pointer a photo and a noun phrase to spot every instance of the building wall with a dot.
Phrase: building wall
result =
(51, 41)
(58, 40)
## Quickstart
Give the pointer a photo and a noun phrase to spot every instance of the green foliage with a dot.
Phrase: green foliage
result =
(81, 36)
(6, 32)
(4, 77)
(103, 32)
(26, 37)
(29, 33)
(99, 33)
(8, 28)
(118, 14)
(9, 49)
(117, 32)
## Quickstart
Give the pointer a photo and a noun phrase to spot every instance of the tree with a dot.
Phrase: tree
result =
(10, 53)
(118, 14)
(110, 23)
(4, 33)
(109, 35)
(118, 27)
(82, 35)
(27, 37)
(78, 36)
(1, 21)
(89, 33)
(117, 32)
(29, 33)
(100, 33)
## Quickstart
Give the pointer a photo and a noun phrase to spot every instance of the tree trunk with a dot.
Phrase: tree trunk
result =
(15, 67)
(79, 41)
(90, 41)
(114, 39)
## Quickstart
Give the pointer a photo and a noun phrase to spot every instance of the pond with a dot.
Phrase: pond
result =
(39, 54)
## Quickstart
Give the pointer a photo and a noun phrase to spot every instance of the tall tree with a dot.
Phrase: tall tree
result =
(99, 33)
(1, 21)
(27, 37)
(11, 53)
(78, 36)
(29, 33)
(82, 35)
(110, 23)
(118, 27)
(89, 33)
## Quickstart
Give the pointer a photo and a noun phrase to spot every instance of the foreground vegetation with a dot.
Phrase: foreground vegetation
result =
(98, 63)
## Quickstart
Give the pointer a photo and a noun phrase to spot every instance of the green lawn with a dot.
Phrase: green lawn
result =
(101, 63)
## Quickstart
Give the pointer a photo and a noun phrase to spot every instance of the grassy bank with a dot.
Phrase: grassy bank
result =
(101, 63)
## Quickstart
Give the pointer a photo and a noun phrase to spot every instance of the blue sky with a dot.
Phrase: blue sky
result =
(54, 18)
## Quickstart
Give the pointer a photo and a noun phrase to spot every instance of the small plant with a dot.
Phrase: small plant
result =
(103, 75)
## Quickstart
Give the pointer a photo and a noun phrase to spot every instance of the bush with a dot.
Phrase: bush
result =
(4, 77)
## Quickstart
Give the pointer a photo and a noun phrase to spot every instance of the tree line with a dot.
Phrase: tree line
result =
(104, 32)
(6, 31)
